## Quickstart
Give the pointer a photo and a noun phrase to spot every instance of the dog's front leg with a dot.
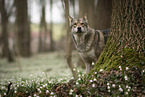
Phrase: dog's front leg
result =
(88, 66)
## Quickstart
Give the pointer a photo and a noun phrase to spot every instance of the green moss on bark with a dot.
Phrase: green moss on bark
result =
(124, 58)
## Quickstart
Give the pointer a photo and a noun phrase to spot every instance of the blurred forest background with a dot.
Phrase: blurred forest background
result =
(30, 27)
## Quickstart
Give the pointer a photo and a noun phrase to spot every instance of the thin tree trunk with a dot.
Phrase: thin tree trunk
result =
(5, 44)
(69, 42)
(23, 28)
(51, 28)
(43, 30)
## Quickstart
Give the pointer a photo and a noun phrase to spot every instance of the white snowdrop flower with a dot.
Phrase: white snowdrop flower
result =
(108, 90)
(82, 74)
(70, 93)
(43, 86)
(120, 89)
(29, 96)
(119, 86)
(78, 71)
(47, 91)
(17, 85)
(79, 75)
(95, 72)
(15, 91)
(79, 79)
(126, 93)
(127, 86)
(108, 87)
(128, 90)
(113, 85)
(5, 94)
(101, 70)
(93, 63)
(95, 79)
(127, 68)
(143, 71)
(74, 69)
(71, 90)
(93, 85)
(31, 75)
(125, 77)
(77, 83)
(40, 87)
(51, 93)
(120, 67)
(108, 84)
(40, 91)
(35, 95)
(43, 72)
(91, 81)
(77, 96)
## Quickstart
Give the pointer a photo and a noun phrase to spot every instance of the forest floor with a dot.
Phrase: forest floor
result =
(53, 64)
(48, 75)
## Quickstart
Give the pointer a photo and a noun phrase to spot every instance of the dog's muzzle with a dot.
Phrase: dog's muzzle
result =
(79, 30)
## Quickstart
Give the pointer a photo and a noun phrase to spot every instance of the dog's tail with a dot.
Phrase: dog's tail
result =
(106, 34)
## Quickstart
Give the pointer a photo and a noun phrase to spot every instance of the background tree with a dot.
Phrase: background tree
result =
(43, 28)
(126, 44)
(51, 28)
(99, 13)
(6, 52)
(23, 28)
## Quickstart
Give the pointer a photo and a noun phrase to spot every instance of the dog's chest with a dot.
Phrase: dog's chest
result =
(88, 55)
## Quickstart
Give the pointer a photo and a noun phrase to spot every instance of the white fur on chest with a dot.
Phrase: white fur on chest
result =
(89, 54)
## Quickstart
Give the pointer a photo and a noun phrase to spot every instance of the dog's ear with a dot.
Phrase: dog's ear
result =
(85, 17)
(70, 20)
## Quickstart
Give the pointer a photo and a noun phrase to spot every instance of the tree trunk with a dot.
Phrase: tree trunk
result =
(69, 42)
(6, 52)
(82, 7)
(100, 14)
(126, 44)
(51, 28)
(43, 29)
(23, 28)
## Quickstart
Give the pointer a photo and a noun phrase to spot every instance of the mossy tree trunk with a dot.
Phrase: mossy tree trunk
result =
(126, 43)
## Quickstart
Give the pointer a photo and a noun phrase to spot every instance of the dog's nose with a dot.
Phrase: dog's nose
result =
(79, 28)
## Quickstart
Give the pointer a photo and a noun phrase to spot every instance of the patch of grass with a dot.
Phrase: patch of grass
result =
(53, 64)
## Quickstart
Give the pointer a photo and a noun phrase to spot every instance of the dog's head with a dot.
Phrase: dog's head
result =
(79, 25)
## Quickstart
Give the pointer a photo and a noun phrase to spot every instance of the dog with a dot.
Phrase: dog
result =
(88, 41)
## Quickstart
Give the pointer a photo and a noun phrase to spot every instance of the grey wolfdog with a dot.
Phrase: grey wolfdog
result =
(88, 41)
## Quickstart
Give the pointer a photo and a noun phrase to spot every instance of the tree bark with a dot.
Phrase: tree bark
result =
(6, 52)
(23, 28)
(51, 28)
(69, 42)
(100, 14)
(126, 44)
(43, 29)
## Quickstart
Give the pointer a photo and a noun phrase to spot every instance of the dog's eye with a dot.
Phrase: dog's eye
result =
(82, 24)
(75, 24)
